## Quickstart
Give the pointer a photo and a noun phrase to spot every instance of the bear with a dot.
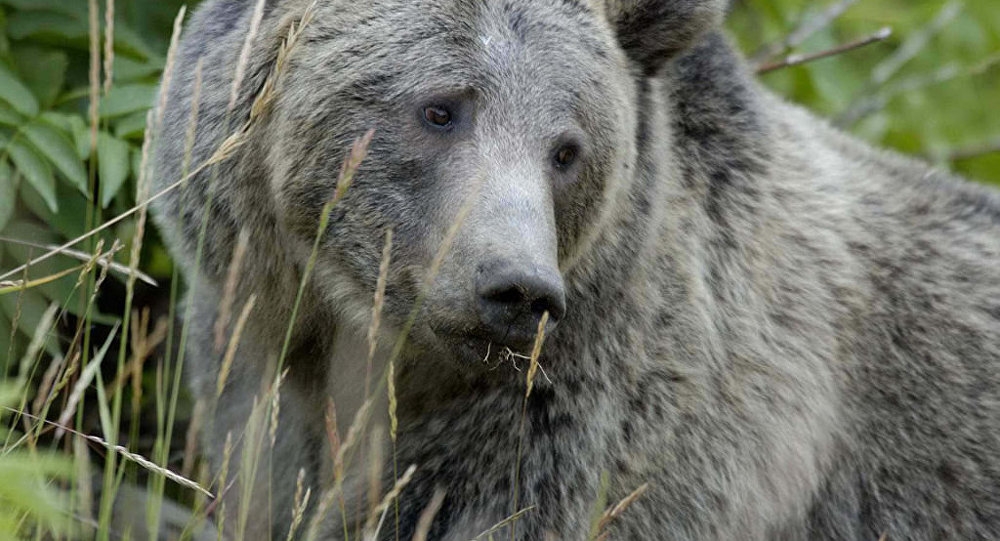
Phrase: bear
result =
(751, 325)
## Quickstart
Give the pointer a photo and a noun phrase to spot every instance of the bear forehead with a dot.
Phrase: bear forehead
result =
(410, 28)
(460, 43)
(520, 15)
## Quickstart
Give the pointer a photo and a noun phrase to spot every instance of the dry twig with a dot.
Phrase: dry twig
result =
(798, 59)
(805, 30)
(427, 516)
(611, 514)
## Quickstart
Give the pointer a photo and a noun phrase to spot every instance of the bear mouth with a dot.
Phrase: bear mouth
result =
(472, 348)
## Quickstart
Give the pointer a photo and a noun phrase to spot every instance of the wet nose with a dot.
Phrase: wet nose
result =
(512, 299)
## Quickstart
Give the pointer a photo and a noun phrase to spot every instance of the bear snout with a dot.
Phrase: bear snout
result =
(511, 299)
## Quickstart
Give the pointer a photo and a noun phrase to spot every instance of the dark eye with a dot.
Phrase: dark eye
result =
(566, 156)
(438, 117)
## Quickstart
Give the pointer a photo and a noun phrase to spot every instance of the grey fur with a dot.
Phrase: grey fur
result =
(787, 334)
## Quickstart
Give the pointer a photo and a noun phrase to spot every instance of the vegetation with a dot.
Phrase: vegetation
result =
(926, 91)
(85, 335)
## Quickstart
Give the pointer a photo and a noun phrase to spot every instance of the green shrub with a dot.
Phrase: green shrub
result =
(63, 172)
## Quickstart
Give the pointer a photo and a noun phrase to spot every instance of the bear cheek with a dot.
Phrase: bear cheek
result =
(578, 208)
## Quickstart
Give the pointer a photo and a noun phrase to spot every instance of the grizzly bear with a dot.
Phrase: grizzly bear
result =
(757, 326)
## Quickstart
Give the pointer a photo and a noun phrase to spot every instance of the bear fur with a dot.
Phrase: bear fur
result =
(786, 334)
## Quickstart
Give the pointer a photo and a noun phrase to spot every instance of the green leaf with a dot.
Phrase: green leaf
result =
(10, 523)
(66, 31)
(129, 42)
(27, 307)
(128, 70)
(35, 170)
(8, 196)
(48, 26)
(26, 488)
(4, 42)
(72, 215)
(76, 93)
(113, 166)
(81, 136)
(72, 124)
(132, 126)
(59, 291)
(58, 120)
(6, 352)
(43, 71)
(9, 117)
(123, 100)
(66, 7)
(14, 92)
(59, 149)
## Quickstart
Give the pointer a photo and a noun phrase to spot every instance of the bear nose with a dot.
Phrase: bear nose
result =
(512, 299)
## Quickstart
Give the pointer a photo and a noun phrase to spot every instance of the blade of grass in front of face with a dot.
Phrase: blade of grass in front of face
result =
(381, 510)
(351, 164)
(346, 453)
(489, 533)
(228, 146)
(536, 351)
(427, 516)
(250, 454)
(340, 452)
(224, 483)
(373, 330)
(373, 459)
(301, 503)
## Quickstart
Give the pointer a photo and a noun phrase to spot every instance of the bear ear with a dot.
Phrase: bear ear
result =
(653, 31)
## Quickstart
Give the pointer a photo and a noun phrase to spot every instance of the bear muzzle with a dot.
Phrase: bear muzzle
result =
(511, 299)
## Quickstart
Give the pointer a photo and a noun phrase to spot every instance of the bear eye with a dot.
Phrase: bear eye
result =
(566, 156)
(438, 117)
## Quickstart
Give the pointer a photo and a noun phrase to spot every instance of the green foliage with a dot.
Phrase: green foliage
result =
(28, 501)
(929, 90)
(62, 172)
